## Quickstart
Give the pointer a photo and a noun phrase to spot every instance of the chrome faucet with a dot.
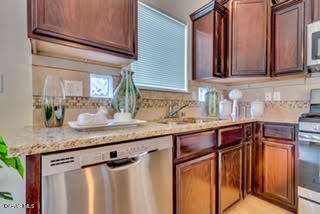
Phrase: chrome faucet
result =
(174, 113)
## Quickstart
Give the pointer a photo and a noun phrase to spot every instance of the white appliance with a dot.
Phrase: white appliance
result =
(309, 158)
(313, 54)
(257, 109)
(224, 109)
(235, 95)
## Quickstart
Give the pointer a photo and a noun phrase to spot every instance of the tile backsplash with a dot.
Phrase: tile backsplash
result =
(155, 103)
(294, 95)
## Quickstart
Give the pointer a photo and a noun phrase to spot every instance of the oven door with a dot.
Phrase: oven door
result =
(309, 166)
(309, 174)
(314, 44)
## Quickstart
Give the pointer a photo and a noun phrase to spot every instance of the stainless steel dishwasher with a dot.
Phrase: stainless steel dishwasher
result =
(130, 178)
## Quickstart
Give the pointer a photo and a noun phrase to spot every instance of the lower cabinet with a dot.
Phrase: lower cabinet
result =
(278, 171)
(210, 179)
(247, 168)
(196, 186)
(275, 164)
(230, 177)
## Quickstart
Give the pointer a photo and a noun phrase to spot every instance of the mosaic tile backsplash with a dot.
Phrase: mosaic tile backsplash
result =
(154, 109)
(294, 97)
(151, 109)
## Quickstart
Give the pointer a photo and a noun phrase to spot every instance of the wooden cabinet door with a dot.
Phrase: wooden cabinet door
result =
(249, 27)
(230, 177)
(278, 171)
(196, 186)
(209, 41)
(104, 24)
(248, 168)
(316, 10)
(203, 47)
(288, 31)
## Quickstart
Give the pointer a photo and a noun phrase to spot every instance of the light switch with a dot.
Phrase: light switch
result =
(276, 96)
(268, 96)
(73, 88)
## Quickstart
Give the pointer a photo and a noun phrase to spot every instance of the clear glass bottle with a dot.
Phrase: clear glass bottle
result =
(212, 102)
(127, 96)
(54, 100)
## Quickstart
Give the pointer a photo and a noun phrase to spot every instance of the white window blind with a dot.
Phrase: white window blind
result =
(162, 51)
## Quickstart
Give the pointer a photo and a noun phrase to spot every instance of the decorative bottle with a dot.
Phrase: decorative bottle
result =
(212, 102)
(53, 101)
(127, 96)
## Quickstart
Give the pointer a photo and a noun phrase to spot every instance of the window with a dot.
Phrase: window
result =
(162, 51)
(101, 86)
(202, 93)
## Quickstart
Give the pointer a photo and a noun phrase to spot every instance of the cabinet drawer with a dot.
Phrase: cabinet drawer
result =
(277, 131)
(229, 136)
(190, 144)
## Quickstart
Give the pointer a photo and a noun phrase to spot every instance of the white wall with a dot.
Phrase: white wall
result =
(16, 101)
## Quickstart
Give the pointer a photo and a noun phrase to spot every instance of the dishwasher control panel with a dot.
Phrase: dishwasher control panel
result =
(122, 151)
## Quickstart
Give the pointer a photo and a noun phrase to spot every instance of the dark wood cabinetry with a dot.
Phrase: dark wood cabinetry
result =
(263, 40)
(288, 31)
(249, 20)
(230, 136)
(209, 41)
(230, 177)
(278, 171)
(248, 160)
(247, 168)
(196, 186)
(193, 144)
(275, 164)
(316, 10)
(102, 25)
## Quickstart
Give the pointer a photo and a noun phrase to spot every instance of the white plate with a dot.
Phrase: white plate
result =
(108, 124)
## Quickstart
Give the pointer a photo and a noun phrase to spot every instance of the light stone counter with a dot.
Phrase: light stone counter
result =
(42, 140)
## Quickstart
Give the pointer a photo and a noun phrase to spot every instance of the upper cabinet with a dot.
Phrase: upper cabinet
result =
(316, 10)
(106, 26)
(249, 22)
(209, 41)
(263, 40)
(288, 30)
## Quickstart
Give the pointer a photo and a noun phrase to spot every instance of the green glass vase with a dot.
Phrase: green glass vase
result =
(127, 95)
(212, 102)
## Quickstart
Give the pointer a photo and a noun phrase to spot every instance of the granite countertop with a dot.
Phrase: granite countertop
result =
(42, 140)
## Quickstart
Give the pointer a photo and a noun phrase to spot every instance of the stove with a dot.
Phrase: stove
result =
(309, 157)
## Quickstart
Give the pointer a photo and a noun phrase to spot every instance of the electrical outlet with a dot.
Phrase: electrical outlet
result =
(276, 96)
(1, 83)
(73, 88)
(268, 96)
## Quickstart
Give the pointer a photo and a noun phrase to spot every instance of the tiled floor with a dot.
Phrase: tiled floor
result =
(254, 205)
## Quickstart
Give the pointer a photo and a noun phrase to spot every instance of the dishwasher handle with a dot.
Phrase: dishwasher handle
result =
(126, 163)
